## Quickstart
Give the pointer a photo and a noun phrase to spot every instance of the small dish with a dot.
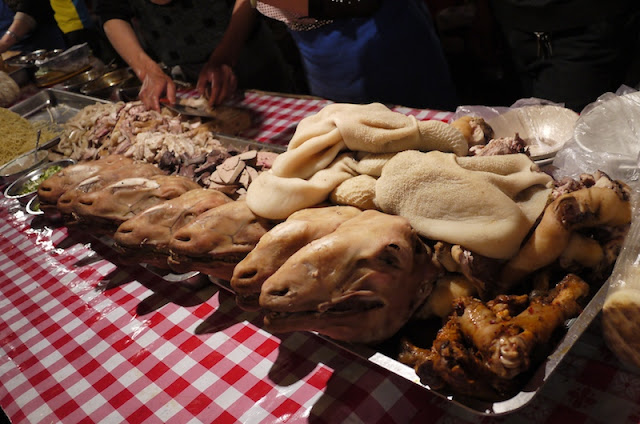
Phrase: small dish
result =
(103, 86)
(19, 166)
(128, 90)
(71, 60)
(25, 187)
(33, 206)
(74, 83)
(544, 128)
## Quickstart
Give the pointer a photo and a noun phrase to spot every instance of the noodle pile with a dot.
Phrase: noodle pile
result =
(17, 135)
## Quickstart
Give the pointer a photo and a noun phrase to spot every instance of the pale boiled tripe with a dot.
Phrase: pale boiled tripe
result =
(359, 191)
(372, 128)
(486, 204)
(274, 197)
(315, 162)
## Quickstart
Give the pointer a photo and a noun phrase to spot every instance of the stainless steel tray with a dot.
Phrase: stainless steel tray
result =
(61, 105)
(54, 106)
(574, 329)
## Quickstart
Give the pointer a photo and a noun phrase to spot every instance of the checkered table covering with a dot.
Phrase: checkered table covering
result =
(275, 116)
(86, 338)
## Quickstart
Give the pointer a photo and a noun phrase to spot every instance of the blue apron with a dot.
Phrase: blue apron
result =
(393, 57)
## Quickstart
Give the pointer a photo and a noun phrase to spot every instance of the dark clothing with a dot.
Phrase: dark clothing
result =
(46, 35)
(186, 32)
(569, 51)
(551, 15)
(394, 57)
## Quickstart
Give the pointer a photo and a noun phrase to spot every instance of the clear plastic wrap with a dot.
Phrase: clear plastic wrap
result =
(606, 138)
(621, 310)
(611, 124)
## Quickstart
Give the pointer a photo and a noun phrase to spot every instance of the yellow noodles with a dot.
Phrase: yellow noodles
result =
(17, 135)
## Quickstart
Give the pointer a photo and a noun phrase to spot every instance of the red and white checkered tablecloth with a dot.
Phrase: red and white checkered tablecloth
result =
(85, 338)
(275, 117)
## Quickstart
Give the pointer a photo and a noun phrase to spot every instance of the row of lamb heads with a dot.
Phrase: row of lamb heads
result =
(166, 222)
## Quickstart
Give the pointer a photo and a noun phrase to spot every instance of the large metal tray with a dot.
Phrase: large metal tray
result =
(574, 329)
(53, 106)
(61, 105)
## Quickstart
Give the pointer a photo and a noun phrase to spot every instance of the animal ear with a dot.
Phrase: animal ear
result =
(362, 300)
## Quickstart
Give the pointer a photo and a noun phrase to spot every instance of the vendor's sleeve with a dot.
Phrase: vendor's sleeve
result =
(113, 9)
(40, 10)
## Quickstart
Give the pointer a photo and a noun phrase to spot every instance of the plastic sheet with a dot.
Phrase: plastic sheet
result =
(606, 138)
(611, 124)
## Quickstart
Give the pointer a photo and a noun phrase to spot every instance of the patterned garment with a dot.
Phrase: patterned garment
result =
(292, 20)
(180, 32)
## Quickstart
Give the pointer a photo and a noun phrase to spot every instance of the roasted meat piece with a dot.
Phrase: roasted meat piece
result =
(145, 237)
(106, 209)
(217, 240)
(360, 283)
(68, 178)
(483, 348)
(275, 247)
(501, 146)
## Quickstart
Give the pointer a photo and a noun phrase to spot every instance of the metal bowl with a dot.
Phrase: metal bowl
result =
(103, 86)
(19, 166)
(75, 83)
(128, 91)
(15, 190)
(33, 206)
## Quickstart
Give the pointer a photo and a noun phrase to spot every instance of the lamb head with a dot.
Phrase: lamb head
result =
(146, 237)
(110, 173)
(360, 283)
(217, 240)
(275, 247)
(109, 207)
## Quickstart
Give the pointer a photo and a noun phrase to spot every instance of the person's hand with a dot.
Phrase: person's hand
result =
(217, 82)
(155, 83)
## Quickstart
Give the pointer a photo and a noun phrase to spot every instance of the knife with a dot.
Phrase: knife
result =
(189, 111)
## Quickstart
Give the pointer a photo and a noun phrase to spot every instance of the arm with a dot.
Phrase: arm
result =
(217, 74)
(22, 25)
(154, 81)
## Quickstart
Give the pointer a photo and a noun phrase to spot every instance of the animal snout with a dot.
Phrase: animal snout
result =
(183, 237)
(248, 274)
(280, 292)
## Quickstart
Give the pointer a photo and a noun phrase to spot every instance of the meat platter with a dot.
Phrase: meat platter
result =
(187, 257)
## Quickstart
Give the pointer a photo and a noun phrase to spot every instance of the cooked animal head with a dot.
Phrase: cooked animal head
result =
(146, 236)
(55, 186)
(276, 246)
(112, 172)
(217, 240)
(360, 283)
(124, 199)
